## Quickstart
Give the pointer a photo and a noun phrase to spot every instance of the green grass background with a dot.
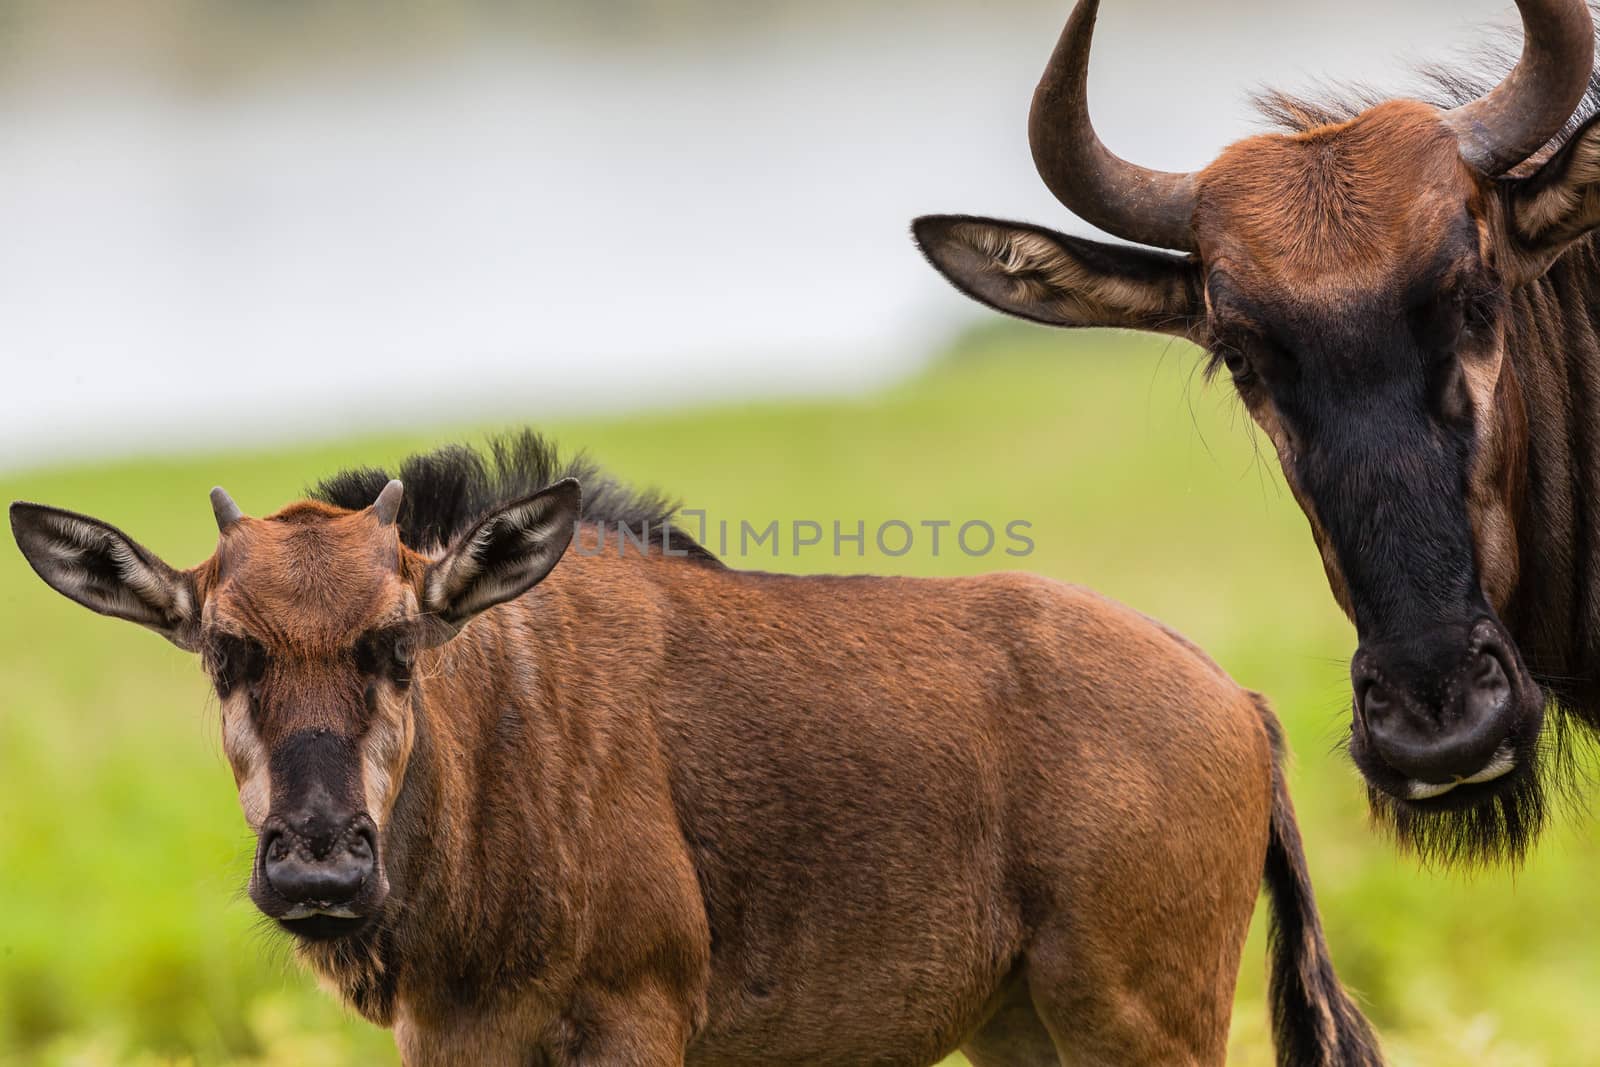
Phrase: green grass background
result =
(125, 938)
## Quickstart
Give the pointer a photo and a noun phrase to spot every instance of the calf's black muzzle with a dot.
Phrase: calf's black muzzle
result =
(319, 879)
(321, 872)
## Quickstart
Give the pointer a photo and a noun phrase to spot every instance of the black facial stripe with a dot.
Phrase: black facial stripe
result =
(234, 660)
(316, 782)
(387, 653)
(1391, 492)
(1386, 472)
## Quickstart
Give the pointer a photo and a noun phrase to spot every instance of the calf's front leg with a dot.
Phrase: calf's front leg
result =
(598, 1028)
(644, 1026)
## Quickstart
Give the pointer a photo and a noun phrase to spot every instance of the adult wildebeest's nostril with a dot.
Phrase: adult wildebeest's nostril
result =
(1453, 741)
(1376, 704)
(299, 877)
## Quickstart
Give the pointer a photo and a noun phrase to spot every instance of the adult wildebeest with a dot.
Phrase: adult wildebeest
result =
(1406, 296)
(651, 810)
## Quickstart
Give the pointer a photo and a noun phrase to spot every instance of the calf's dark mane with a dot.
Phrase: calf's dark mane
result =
(449, 489)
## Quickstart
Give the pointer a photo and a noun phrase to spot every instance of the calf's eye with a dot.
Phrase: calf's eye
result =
(235, 660)
(386, 654)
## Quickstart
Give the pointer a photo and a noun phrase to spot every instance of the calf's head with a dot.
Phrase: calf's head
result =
(313, 625)
(1352, 279)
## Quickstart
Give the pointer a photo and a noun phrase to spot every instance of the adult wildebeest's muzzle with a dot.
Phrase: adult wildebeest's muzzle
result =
(318, 868)
(1444, 717)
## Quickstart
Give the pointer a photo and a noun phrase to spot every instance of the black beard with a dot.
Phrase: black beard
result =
(1494, 824)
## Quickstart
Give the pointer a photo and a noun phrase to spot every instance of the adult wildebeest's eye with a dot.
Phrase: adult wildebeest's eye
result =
(1238, 364)
(1465, 314)
(234, 660)
(1478, 312)
(387, 653)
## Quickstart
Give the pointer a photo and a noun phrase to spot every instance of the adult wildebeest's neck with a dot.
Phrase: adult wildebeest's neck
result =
(1551, 402)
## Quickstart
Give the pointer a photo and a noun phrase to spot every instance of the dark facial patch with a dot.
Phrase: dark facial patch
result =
(1355, 303)
(1389, 482)
(319, 869)
(1358, 391)
(1344, 273)
(387, 654)
(234, 660)
(316, 784)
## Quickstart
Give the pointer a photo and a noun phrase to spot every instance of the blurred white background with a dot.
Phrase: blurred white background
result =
(233, 221)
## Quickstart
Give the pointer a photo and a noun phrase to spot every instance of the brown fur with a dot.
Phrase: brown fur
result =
(1352, 213)
(1334, 211)
(656, 811)
(1417, 337)
(679, 771)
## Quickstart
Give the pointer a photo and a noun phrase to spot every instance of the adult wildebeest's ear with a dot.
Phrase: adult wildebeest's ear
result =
(1561, 201)
(1050, 277)
(503, 556)
(103, 569)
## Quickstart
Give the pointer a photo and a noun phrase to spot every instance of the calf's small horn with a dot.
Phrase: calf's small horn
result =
(387, 506)
(223, 507)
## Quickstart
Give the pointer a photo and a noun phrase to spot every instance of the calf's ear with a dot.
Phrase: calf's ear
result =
(507, 553)
(106, 571)
(1059, 280)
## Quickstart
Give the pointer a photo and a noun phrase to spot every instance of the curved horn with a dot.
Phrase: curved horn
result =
(1151, 207)
(1540, 94)
(387, 506)
(223, 507)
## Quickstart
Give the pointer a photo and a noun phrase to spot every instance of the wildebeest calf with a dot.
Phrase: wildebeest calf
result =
(645, 809)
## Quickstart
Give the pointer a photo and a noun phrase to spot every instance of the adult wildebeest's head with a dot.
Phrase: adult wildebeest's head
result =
(309, 623)
(1353, 278)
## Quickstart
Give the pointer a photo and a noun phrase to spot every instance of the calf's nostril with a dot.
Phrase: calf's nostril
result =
(300, 881)
(301, 875)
